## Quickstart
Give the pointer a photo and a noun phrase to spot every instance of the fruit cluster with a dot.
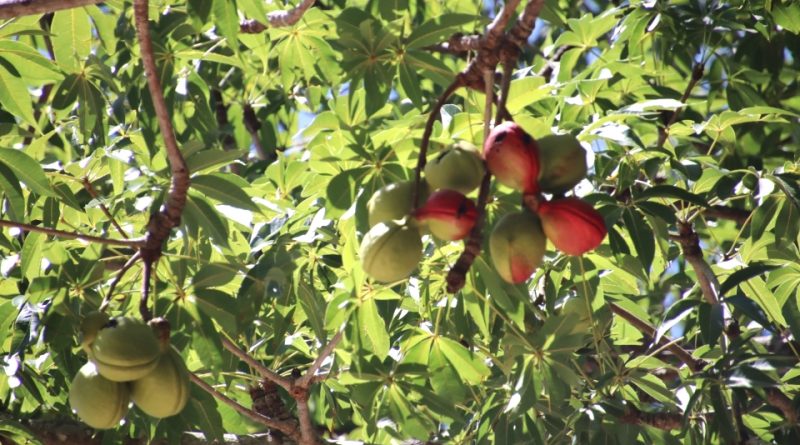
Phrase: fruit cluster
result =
(127, 362)
(392, 248)
(554, 164)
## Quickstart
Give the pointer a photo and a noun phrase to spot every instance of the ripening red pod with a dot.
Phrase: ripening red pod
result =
(448, 214)
(572, 225)
(512, 156)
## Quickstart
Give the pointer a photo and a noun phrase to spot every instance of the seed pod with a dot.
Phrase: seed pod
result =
(393, 201)
(390, 251)
(563, 163)
(517, 246)
(165, 391)
(512, 156)
(458, 168)
(99, 402)
(448, 214)
(125, 349)
(572, 225)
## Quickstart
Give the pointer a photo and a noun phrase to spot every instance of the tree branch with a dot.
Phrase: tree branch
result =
(662, 421)
(93, 193)
(650, 331)
(457, 44)
(262, 370)
(276, 19)
(779, 400)
(10, 9)
(72, 235)
(288, 428)
(308, 378)
(740, 216)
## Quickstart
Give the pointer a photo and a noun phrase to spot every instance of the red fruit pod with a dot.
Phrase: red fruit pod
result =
(572, 225)
(449, 215)
(512, 156)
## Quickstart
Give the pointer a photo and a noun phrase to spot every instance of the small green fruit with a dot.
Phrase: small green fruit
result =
(458, 168)
(393, 201)
(390, 251)
(125, 349)
(563, 163)
(517, 246)
(99, 402)
(165, 391)
(90, 326)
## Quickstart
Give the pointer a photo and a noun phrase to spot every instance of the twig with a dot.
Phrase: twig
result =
(307, 379)
(550, 65)
(650, 331)
(457, 44)
(93, 193)
(147, 277)
(697, 74)
(128, 264)
(690, 244)
(73, 235)
(276, 19)
(290, 429)
(505, 85)
(221, 115)
(426, 137)
(253, 125)
(265, 372)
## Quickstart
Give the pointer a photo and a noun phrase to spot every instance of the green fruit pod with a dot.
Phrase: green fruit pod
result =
(390, 251)
(393, 201)
(517, 246)
(562, 163)
(99, 402)
(125, 349)
(165, 391)
(458, 168)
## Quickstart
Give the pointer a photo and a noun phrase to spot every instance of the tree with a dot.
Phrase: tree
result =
(209, 164)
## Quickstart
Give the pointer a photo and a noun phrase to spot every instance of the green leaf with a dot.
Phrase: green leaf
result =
(468, 365)
(787, 16)
(214, 274)
(14, 96)
(437, 29)
(32, 254)
(314, 307)
(226, 18)
(711, 322)
(27, 170)
(212, 159)
(669, 191)
(224, 190)
(199, 214)
(373, 328)
(764, 214)
(642, 236)
(219, 306)
(741, 275)
(72, 38)
(13, 194)
(29, 63)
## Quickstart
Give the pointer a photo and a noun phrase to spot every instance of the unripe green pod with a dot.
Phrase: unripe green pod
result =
(458, 168)
(125, 349)
(393, 201)
(517, 246)
(165, 391)
(99, 402)
(390, 251)
(563, 163)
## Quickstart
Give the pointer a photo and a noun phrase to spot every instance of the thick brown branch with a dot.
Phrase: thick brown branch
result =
(161, 224)
(690, 244)
(779, 400)
(740, 216)
(10, 9)
(72, 235)
(650, 331)
(288, 428)
(662, 421)
(276, 19)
